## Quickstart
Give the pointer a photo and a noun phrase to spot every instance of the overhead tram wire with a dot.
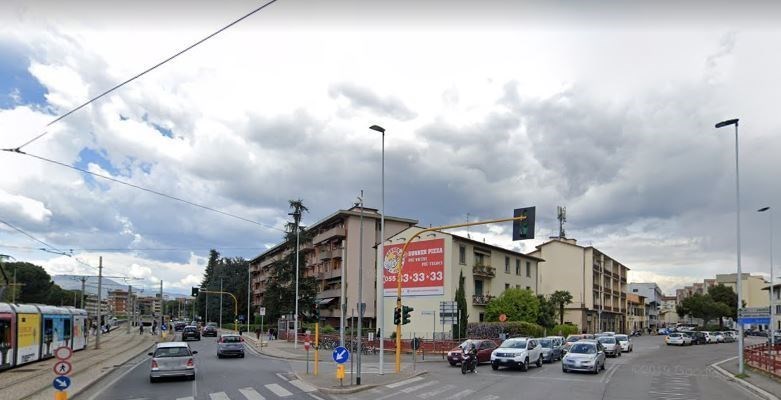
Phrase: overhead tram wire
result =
(119, 249)
(79, 107)
(56, 250)
(168, 196)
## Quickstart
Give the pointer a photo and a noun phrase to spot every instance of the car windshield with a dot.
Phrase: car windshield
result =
(546, 343)
(467, 342)
(573, 339)
(583, 348)
(607, 339)
(622, 338)
(231, 339)
(190, 329)
(675, 335)
(514, 343)
(163, 352)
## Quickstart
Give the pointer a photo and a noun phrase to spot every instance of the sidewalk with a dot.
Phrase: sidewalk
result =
(326, 380)
(34, 381)
(757, 382)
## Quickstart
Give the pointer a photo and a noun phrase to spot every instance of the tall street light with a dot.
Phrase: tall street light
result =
(739, 280)
(772, 328)
(297, 218)
(380, 259)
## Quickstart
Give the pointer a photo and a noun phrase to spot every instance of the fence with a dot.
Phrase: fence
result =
(758, 356)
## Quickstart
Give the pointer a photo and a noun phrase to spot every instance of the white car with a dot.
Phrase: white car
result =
(625, 342)
(719, 336)
(517, 352)
(610, 346)
(678, 339)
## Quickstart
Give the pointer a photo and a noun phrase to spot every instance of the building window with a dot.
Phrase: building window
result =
(634, 290)
(778, 309)
(517, 286)
(481, 316)
(506, 286)
(461, 255)
(528, 269)
(478, 288)
(507, 265)
(518, 267)
(479, 258)
(528, 288)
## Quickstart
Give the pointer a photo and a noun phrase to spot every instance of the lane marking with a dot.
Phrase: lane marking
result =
(251, 394)
(312, 395)
(460, 395)
(404, 382)
(278, 390)
(186, 398)
(122, 375)
(436, 391)
(219, 396)
(490, 397)
(283, 377)
(305, 387)
(418, 387)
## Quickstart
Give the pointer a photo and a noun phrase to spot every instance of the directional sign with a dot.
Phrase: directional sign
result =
(63, 353)
(61, 382)
(754, 312)
(341, 355)
(754, 320)
(62, 368)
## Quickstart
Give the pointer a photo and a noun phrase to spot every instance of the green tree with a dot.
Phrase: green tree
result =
(232, 272)
(547, 315)
(516, 304)
(727, 296)
(703, 306)
(561, 298)
(460, 300)
(38, 286)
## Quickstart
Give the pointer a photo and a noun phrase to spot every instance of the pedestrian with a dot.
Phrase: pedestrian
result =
(257, 333)
(140, 329)
(154, 327)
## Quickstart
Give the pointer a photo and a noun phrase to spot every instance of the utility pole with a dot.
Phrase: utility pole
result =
(162, 308)
(127, 309)
(83, 288)
(249, 293)
(100, 300)
(220, 303)
(343, 299)
(360, 292)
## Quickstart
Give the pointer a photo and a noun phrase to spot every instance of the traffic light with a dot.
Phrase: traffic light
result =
(195, 292)
(405, 314)
(524, 229)
(316, 311)
(396, 316)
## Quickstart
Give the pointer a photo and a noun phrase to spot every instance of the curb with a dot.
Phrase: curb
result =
(356, 389)
(740, 382)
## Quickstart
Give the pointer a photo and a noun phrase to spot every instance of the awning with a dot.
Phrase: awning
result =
(327, 300)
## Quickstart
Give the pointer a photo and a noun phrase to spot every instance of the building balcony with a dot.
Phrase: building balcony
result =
(329, 234)
(325, 254)
(334, 273)
(481, 299)
(608, 308)
(597, 287)
(485, 271)
(330, 293)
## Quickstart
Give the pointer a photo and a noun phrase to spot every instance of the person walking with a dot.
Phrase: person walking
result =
(154, 327)
(140, 329)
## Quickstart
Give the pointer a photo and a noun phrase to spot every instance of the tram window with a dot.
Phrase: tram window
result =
(67, 330)
(5, 333)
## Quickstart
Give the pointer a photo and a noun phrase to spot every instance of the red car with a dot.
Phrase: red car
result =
(484, 349)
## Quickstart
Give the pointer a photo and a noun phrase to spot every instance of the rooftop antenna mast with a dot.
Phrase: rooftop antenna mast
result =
(467, 228)
(562, 217)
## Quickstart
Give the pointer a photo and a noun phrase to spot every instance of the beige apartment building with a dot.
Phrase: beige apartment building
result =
(433, 264)
(751, 286)
(636, 319)
(335, 246)
(596, 281)
(667, 315)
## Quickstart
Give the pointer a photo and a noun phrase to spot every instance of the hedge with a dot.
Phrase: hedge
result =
(564, 330)
(492, 330)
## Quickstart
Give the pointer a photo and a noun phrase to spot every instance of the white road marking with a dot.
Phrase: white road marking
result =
(251, 394)
(460, 395)
(283, 377)
(278, 390)
(418, 387)
(490, 397)
(312, 395)
(305, 387)
(186, 398)
(219, 396)
(110, 384)
(436, 391)
(404, 382)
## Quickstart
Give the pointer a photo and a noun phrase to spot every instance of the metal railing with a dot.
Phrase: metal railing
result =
(481, 299)
(759, 356)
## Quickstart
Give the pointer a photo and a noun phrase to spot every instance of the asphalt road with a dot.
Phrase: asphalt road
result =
(251, 378)
(653, 371)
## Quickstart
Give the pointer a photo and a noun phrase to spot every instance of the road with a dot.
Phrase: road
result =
(251, 378)
(652, 371)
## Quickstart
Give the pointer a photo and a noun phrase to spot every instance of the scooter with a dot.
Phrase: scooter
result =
(468, 363)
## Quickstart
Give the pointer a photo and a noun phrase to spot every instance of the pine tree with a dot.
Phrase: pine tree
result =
(459, 330)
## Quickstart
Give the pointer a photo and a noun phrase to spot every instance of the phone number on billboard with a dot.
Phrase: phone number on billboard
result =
(416, 277)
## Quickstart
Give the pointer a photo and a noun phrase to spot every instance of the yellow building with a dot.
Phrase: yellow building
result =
(431, 272)
(753, 288)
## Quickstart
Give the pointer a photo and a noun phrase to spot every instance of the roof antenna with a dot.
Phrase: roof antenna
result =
(562, 216)
(467, 227)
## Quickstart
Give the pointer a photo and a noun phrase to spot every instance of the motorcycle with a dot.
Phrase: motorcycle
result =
(468, 362)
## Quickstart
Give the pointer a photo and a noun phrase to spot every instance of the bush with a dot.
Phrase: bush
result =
(492, 330)
(327, 329)
(564, 330)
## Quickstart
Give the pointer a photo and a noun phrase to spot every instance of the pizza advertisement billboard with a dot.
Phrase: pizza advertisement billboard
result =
(423, 273)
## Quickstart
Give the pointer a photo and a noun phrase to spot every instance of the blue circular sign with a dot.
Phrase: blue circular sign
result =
(61, 383)
(341, 355)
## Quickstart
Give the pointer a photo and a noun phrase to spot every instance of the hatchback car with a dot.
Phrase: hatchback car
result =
(179, 326)
(586, 355)
(699, 337)
(190, 332)
(484, 349)
(230, 345)
(679, 339)
(625, 342)
(571, 339)
(610, 345)
(210, 330)
(550, 350)
(172, 359)
(517, 352)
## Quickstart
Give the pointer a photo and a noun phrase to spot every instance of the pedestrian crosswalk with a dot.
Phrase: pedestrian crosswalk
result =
(298, 389)
(419, 388)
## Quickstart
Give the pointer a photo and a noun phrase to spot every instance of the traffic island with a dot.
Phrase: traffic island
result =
(754, 381)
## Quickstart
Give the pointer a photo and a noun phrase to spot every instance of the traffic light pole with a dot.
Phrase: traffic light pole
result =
(401, 266)
(235, 306)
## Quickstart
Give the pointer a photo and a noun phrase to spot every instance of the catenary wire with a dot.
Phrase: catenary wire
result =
(79, 107)
(33, 237)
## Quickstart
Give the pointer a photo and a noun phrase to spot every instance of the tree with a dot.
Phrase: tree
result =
(704, 307)
(725, 295)
(561, 298)
(460, 328)
(233, 274)
(516, 304)
(547, 315)
(38, 286)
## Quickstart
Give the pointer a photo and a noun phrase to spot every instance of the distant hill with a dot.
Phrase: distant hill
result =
(73, 282)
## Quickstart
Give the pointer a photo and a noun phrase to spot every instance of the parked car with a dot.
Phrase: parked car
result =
(610, 345)
(718, 337)
(230, 345)
(210, 330)
(679, 339)
(190, 333)
(550, 351)
(585, 355)
(730, 337)
(776, 337)
(663, 331)
(179, 326)
(517, 352)
(609, 333)
(571, 339)
(625, 342)
(172, 359)
(484, 349)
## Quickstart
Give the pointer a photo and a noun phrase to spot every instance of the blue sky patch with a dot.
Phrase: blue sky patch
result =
(17, 85)
(89, 156)
(163, 131)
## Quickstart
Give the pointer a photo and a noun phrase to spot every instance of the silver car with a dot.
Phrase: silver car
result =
(584, 355)
(230, 345)
(611, 345)
(626, 343)
(172, 359)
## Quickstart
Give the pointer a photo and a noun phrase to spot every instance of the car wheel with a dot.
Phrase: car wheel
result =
(494, 366)
(152, 380)
(525, 365)
(219, 355)
(242, 355)
(596, 369)
(191, 377)
(539, 361)
(603, 366)
(564, 370)
(453, 364)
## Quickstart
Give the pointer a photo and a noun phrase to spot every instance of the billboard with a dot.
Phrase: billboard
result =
(424, 268)
(29, 339)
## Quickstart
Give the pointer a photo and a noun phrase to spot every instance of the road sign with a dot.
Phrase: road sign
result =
(61, 382)
(754, 312)
(754, 320)
(63, 353)
(306, 345)
(427, 313)
(502, 317)
(62, 368)
(340, 355)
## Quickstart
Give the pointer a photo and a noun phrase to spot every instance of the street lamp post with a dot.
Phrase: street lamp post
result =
(739, 280)
(360, 293)
(380, 258)
(297, 218)
(770, 289)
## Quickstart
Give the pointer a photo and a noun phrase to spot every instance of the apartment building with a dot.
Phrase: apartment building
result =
(335, 245)
(118, 302)
(635, 313)
(667, 315)
(432, 266)
(752, 286)
(653, 301)
(775, 306)
(596, 281)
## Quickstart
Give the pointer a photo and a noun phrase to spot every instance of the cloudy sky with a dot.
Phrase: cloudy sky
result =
(605, 108)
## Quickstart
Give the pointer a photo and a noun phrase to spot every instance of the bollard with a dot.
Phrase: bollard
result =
(63, 395)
